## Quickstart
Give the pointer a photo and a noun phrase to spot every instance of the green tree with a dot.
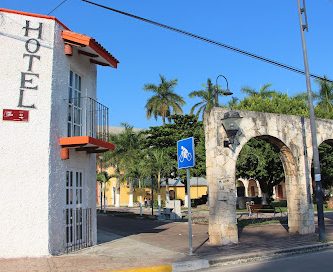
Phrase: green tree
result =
(233, 103)
(264, 91)
(129, 149)
(276, 103)
(113, 159)
(103, 178)
(324, 97)
(166, 137)
(207, 97)
(161, 168)
(260, 160)
(144, 172)
(165, 101)
(124, 158)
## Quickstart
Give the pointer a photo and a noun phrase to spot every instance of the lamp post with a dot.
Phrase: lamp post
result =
(216, 94)
(316, 163)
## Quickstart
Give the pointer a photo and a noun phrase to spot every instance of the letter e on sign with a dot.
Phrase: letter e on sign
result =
(15, 115)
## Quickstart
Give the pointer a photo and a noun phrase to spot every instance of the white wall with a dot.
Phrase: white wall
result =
(24, 147)
(32, 176)
(78, 161)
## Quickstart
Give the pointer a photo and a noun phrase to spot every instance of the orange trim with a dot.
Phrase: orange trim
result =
(68, 50)
(84, 40)
(34, 15)
(64, 153)
(103, 53)
(83, 140)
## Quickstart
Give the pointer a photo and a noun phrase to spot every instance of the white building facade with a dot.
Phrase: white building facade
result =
(51, 129)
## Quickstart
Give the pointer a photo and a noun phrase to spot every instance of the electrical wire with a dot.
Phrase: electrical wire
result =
(60, 4)
(195, 36)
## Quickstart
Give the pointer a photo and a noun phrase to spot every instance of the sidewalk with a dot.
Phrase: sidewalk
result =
(129, 242)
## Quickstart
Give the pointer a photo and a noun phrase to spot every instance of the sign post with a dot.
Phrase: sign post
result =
(186, 160)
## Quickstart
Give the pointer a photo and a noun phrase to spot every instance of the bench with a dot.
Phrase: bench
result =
(261, 208)
(166, 213)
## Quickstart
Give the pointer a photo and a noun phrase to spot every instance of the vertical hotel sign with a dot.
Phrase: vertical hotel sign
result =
(29, 78)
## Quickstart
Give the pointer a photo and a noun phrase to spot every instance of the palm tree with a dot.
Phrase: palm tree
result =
(207, 97)
(164, 102)
(325, 95)
(159, 161)
(127, 149)
(264, 91)
(103, 177)
(233, 103)
(113, 159)
(144, 171)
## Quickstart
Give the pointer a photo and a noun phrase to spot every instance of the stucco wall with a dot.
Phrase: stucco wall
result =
(78, 161)
(24, 146)
(32, 176)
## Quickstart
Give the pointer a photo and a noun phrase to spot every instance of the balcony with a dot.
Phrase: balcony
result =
(87, 127)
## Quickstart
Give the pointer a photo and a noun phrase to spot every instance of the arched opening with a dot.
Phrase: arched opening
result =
(240, 188)
(271, 170)
(261, 160)
(253, 189)
(326, 168)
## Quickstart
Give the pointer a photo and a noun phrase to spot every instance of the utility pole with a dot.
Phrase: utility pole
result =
(316, 165)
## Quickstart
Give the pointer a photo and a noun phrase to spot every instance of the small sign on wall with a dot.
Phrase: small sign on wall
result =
(15, 115)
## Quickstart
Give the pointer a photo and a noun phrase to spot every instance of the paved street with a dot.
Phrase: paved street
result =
(319, 261)
(127, 241)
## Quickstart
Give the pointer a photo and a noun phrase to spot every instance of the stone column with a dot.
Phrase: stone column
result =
(274, 192)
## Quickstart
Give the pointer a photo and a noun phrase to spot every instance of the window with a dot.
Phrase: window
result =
(74, 188)
(74, 125)
(73, 211)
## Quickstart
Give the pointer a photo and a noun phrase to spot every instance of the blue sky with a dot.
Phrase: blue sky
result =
(267, 28)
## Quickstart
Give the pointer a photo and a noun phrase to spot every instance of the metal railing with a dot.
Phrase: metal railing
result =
(87, 117)
(78, 229)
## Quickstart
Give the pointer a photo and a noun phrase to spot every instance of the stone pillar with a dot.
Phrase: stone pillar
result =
(246, 185)
(300, 206)
(274, 192)
(222, 212)
(221, 167)
(222, 198)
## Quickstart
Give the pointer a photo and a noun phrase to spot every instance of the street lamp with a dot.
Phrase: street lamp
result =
(316, 163)
(226, 92)
(230, 123)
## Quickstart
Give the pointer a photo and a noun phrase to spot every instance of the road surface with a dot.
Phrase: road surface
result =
(319, 261)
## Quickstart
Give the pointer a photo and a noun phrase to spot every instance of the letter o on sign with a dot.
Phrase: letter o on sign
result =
(30, 43)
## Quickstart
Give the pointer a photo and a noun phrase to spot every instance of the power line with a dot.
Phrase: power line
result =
(195, 36)
(63, 2)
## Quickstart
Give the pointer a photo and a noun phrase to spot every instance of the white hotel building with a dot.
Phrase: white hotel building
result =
(51, 128)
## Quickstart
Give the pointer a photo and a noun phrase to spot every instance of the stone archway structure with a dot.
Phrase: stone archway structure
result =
(291, 134)
(252, 188)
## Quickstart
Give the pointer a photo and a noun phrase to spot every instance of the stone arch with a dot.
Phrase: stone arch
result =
(291, 179)
(283, 131)
(253, 189)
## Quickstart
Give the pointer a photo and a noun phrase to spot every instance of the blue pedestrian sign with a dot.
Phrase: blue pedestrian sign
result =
(185, 153)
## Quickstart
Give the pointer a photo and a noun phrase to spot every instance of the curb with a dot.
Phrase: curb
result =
(275, 254)
(160, 268)
(200, 264)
